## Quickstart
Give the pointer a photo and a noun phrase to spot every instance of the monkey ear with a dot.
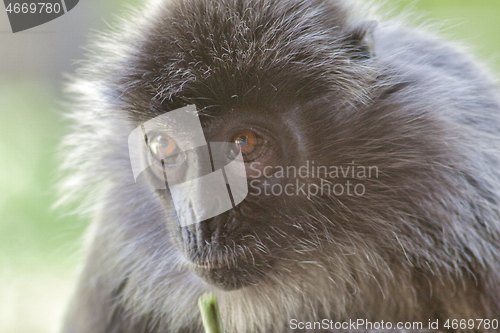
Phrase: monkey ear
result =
(360, 38)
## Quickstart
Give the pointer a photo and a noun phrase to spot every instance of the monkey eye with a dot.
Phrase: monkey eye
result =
(163, 147)
(252, 146)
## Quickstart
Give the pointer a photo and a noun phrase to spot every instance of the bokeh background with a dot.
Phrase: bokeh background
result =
(39, 247)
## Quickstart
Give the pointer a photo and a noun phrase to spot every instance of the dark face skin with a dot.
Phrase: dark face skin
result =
(238, 247)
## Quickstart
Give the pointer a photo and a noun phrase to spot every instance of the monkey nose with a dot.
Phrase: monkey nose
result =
(210, 235)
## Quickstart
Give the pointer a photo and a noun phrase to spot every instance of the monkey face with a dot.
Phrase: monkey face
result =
(283, 113)
(233, 248)
(283, 218)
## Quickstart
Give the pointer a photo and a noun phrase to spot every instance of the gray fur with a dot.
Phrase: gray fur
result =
(423, 243)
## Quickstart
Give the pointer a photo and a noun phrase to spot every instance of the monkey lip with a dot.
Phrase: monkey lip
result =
(227, 276)
(232, 264)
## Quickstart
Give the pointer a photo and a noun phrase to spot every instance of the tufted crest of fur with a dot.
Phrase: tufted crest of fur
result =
(423, 243)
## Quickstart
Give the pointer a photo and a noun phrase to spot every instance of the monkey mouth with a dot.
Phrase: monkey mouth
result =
(218, 252)
(228, 273)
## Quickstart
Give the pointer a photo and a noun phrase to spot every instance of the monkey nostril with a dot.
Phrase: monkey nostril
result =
(197, 237)
(188, 238)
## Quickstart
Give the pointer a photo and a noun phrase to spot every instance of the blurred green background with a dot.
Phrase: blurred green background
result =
(39, 247)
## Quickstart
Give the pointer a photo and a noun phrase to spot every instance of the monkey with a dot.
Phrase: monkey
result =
(372, 163)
